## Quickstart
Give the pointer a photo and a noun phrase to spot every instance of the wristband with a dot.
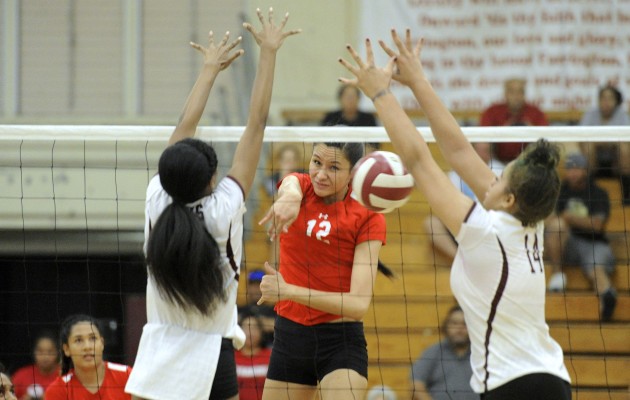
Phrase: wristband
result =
(381, 93)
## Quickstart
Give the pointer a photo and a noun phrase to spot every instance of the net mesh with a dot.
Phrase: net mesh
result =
(72, 214)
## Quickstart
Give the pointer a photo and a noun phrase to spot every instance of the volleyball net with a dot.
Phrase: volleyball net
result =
(71, 235)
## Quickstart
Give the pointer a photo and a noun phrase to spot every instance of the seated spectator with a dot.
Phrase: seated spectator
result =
(349, 113)
(287, 161)
(576, 233)
(84, 373)
(381, 392)
(32, 380)
(443, 242)
(443, 370)
(7, 391)
(513, 111)
(252, 360)
(264, 311)
(609, 159)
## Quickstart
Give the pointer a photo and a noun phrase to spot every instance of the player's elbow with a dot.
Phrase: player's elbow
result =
(357, 307)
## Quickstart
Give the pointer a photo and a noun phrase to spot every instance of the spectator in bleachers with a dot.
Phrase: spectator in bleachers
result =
(513, 111)
(349, 113)
(443, 370)
(609, 159)
(576, 234)
(7, 391)
(32, 380)
(287, 161)
(252, 361)
(443, 242)
(266, 312)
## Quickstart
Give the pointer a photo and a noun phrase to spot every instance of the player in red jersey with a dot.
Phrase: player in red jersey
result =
(84, 373)
(328, 263)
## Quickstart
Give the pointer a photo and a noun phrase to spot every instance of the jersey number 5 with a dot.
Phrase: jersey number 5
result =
(322, 232)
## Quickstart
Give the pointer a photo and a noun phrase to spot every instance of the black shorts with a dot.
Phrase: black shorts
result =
(531, 387)
(225, 385)
(305, 354)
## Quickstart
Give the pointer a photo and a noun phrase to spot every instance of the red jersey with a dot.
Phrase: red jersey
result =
(31, 376)
(68, 387)
(251, 372)
(500, 115)
(318, 250)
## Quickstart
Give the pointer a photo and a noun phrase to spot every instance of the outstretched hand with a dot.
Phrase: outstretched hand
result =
(281, 214)
(371, 80)
(270, 36)
(218, 55)
(408, 65)
(272, 286)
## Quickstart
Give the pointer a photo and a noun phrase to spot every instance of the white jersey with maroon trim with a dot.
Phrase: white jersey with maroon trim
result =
(188, 343)
(498, 279)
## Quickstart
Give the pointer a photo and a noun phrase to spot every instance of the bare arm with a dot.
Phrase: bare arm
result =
(595, 223)
(270, 39)
(285, 209)
(353, 304)
(448, 203)
(454, 146)
(215, 59)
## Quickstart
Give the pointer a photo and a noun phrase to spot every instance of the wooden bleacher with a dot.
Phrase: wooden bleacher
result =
(406, 312)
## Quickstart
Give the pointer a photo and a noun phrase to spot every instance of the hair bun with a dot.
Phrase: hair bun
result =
(543, 154)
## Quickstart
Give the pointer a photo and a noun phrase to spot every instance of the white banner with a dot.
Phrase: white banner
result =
(565, 49)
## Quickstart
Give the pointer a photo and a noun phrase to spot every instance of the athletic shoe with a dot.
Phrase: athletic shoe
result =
(557, 282)
(609, 301)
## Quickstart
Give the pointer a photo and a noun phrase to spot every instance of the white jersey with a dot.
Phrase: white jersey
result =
(498, 279)
(187, 343)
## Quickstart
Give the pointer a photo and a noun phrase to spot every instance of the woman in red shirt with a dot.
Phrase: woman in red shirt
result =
(32, 380)
(252, 360)
(84, 373)
(328, 263)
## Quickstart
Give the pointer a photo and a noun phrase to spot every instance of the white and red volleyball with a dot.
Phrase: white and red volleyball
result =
(381, 182)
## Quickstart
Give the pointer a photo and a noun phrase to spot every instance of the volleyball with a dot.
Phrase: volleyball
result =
(381, 182)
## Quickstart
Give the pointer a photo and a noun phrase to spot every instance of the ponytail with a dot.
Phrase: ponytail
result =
(385, 270)
(185, 261)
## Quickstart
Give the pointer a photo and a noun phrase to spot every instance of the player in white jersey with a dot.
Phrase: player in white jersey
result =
(498, 275)
(193, 240)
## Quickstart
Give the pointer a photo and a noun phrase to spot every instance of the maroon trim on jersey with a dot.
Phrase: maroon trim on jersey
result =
(470, 212)
(230, 254)
(239, 185)
(493, 310)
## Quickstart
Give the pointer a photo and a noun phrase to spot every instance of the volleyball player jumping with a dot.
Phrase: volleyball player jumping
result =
(498, 275)
(193, 240)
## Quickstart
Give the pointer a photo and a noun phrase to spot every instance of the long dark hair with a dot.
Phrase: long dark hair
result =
(64, 336)
(182, 257)
(353, 153)
(535, 183)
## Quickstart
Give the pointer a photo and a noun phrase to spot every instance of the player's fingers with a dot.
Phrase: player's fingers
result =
(271, 16)
(196, 46)
(269, 270)
(349, 66)
(418, 48)
(284, 21)
(292, 32)
(386, 48)
(399, 44)
(260, 301)
(369, 53)
(355, 56)
(408, 43)
(267, 217)
(225, 39)
(346, 81)
(210, 37)
(233, 57)
(235, 43)
(389, 67)
(261, 18)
